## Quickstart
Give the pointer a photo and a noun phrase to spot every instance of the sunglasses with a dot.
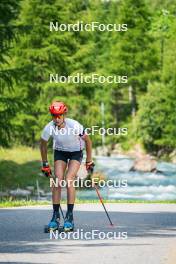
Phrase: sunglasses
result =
(57, 116)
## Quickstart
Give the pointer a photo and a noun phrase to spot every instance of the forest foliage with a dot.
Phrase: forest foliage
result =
(145, 53)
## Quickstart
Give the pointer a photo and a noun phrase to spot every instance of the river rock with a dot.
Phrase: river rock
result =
(103, 151)
(145, 164)
(173, 156)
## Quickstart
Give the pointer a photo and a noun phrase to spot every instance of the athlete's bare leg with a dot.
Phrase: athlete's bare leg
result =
(59, 170)
(73, 167)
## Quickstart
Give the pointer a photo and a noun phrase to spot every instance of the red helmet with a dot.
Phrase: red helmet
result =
(58, 108)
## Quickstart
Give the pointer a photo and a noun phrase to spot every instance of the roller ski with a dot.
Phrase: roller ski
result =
(54, 224)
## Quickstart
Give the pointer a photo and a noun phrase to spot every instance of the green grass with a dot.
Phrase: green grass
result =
(16, 203)
(20, 167)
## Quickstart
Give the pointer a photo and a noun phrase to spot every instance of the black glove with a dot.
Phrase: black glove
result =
(90, 166)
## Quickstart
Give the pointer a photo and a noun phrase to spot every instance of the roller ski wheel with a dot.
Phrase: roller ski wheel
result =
(47, 229)
(54, 224)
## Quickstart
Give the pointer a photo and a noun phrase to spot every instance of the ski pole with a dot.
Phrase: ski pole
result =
(101, 200)
(99, 196)
(62, 212)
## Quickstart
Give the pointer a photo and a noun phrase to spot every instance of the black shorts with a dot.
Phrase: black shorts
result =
(66, 155)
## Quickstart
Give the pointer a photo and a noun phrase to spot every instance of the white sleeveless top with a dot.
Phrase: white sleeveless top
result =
(67, 138)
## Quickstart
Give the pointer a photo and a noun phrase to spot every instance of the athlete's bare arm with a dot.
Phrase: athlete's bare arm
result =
(43, 149)
(88, 144)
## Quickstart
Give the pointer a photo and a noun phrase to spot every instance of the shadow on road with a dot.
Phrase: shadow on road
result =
(21, 230)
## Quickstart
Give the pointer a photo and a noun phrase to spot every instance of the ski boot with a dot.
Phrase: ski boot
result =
(68, 222)
(54, 223)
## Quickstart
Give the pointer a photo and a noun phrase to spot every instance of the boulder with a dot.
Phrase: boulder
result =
(103, 151)
(173, 156)
(145, 164)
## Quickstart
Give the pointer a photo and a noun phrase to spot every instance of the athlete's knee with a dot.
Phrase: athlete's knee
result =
(59, 178)
(70, 181)
(58, 175)
(55, 188)
(56, 183)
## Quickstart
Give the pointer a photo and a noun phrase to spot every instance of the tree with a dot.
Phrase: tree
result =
(156, 118)
(162, 22)
(133, 53)
(9, 102)
(41, 52)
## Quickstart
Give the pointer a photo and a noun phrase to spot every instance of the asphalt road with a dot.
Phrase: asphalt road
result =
(144, 234)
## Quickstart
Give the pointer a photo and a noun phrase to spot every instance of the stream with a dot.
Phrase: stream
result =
(140, 185)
